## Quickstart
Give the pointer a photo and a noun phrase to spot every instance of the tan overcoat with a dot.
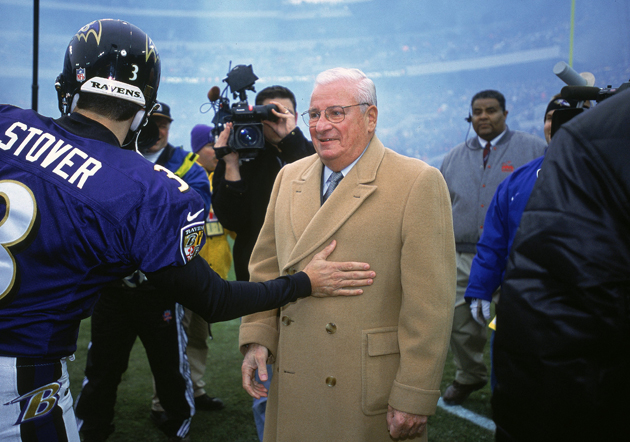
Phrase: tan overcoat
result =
(339, 361)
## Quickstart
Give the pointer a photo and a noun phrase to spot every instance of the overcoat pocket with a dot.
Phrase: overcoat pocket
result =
(380, 358)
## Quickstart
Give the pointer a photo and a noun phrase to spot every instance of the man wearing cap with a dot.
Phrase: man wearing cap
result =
(217, 250)
(176, 159)
(558, 103)
(131, 308)
(502, 220)
(217, 253)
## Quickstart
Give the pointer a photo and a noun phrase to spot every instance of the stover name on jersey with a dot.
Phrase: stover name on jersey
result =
(42, 148)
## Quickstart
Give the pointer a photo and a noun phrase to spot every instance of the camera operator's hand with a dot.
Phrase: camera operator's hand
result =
(224, 136)
(277, 130)
(232, 170)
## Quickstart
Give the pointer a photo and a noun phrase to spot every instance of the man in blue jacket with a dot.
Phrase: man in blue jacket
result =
(502, 219)
(179, 161)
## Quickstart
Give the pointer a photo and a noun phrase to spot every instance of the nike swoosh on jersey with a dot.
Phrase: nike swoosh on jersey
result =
(192, 217)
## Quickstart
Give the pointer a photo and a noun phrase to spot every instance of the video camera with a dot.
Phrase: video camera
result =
(247, 136)
(579, 87)
(591, 92)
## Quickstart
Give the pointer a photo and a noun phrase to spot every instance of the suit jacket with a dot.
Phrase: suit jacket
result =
(339, 361)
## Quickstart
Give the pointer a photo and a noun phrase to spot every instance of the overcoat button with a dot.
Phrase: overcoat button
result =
(331, 381)
(331, 328)
(286, 320)
(292, 271)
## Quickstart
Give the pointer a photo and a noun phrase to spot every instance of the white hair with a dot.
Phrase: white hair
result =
(365, 89)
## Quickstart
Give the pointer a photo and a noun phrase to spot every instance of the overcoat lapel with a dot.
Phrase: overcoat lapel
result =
(305, 198)
(314, 224)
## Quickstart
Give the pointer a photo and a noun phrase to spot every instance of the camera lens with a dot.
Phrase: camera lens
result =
(249, 136)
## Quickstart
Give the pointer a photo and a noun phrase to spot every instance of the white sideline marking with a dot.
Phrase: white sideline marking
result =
(462, 412)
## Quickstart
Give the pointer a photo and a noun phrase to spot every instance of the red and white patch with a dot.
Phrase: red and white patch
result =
(80, 75)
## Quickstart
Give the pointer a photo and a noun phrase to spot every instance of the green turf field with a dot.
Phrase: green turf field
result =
(235, 422)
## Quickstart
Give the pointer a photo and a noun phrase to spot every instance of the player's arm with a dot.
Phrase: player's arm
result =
(199, 288)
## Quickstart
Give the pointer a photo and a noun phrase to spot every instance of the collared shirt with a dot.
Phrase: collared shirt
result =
(494, 141)
(328, 172)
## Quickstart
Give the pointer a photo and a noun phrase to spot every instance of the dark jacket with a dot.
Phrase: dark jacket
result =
(241, 205)
(562, 347)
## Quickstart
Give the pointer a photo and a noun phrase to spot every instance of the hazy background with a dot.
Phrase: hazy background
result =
(427, 57)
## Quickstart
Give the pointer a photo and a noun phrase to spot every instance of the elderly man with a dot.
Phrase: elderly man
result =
(372, 365)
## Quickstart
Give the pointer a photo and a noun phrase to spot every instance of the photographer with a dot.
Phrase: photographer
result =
(242, 188)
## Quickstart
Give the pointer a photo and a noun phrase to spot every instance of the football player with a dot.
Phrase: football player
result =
(79, 208)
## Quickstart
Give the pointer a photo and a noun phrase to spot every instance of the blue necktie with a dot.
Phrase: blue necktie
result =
(334, 180)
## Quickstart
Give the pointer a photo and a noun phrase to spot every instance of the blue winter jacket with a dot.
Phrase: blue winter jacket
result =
(502, 220)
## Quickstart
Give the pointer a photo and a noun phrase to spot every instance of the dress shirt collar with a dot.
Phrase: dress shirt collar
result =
(494, 141)
(344, 172)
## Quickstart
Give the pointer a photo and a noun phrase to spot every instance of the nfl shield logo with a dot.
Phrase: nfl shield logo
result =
(80, 74)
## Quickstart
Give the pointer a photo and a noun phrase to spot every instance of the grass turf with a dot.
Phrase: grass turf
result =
(235, 422)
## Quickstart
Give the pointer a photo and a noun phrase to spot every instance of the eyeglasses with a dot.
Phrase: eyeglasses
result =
(334, 114)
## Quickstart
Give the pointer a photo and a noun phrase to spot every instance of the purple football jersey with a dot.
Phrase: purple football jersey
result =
(75, 214)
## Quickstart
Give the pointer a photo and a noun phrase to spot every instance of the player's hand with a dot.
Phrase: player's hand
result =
(480, 310)
(403, 425)
(255, 359)
(330, 278)
(282, 126)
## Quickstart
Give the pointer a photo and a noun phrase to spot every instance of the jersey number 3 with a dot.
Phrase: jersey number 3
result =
(19, 216)
(183, 185)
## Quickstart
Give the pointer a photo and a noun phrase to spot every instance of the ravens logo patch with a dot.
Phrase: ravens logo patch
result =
(191, 240)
